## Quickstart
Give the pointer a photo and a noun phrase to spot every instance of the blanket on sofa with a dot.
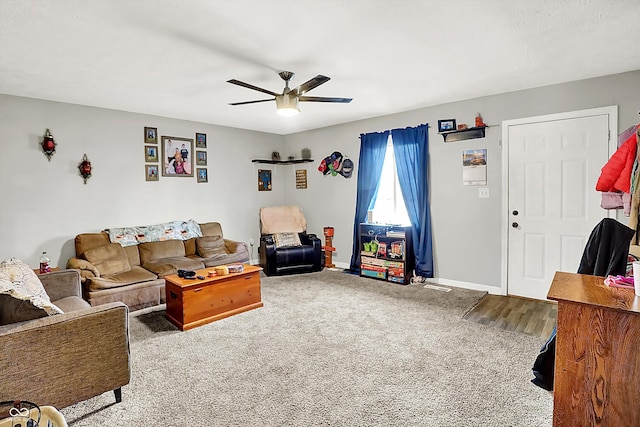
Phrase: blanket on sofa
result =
(173, 230)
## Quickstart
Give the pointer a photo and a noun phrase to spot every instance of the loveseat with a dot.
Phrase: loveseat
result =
(62, 359)
(133, 273)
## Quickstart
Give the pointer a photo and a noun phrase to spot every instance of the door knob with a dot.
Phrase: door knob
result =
(515, 212)
(514, 225)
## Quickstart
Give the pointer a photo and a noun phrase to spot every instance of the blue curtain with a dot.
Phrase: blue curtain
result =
(411, 147)
(372, 150)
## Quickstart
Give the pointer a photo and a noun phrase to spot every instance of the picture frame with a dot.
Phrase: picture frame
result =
(201, 140)
(202, 175)
(150, 153)
(446, 125)
(201, 158)
(151, 172)
(264, 179)
(150, 135)
(177, 156)
(301, 179)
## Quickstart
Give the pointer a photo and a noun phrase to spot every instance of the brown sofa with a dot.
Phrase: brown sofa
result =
(60, 360)
(134, 274)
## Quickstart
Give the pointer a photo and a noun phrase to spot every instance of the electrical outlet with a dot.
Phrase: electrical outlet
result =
(483, 193)
(251, 242)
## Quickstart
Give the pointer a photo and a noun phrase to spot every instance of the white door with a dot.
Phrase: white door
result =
(553, 165)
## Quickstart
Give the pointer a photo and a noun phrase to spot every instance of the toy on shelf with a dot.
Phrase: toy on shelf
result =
(397, 250)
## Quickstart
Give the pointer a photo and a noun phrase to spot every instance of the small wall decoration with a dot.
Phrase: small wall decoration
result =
(48, 144)
(301, 179)
(150, 135)
(347, 168)
(151, 172)
(264, 180)
(85, 168)
(446, 125)
(474, 167)
(201, 158)
(202, 175)
(177, 156)
(331, 164)
(150, 153)
(335, 164)
(201, 140)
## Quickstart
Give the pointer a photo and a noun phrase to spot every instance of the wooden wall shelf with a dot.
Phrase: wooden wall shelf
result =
(282, 162)
(462, 134)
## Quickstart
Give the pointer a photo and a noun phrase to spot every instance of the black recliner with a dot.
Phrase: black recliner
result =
(280, 252)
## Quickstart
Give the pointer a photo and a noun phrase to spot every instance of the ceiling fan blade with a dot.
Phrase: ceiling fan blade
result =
(251, 102)
(324, 99)
(248, 86)
(311, 84)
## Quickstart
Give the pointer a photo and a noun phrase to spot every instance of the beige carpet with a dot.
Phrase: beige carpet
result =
(329, 349)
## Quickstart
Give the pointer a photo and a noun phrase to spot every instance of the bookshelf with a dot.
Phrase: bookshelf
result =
(386, 252)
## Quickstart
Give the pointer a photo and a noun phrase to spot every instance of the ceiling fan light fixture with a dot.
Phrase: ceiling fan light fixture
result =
(287, 105)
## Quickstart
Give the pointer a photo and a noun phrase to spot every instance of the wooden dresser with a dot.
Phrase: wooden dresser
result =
(597, 367)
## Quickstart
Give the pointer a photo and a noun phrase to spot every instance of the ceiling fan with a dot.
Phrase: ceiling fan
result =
(287, 101)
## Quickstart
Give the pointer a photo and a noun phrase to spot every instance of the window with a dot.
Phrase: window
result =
(389, 207)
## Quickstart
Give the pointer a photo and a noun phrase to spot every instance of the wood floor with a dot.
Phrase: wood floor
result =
(528, 316)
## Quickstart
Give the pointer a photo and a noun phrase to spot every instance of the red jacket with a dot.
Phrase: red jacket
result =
(616, 174)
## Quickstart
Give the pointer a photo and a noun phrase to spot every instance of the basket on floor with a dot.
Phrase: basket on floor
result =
(28, 414)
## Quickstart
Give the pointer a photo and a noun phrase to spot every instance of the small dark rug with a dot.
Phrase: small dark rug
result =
(523, 315)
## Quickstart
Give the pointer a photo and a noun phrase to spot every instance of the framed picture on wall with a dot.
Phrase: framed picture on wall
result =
(151, 172)
(201, 158)
(150, 135)
(446, 125)
(202, 174)
(201, 140)
(301, 179)
(150, 153)
(264, 179)
(177, 156)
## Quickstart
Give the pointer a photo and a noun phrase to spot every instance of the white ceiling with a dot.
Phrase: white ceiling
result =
(172, 58)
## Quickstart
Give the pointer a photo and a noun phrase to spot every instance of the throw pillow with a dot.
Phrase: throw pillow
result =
(209, 246)
(286, 240)
(24, 296)
(108, 259)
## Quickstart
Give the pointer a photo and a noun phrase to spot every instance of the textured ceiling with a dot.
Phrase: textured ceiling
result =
(172, 58)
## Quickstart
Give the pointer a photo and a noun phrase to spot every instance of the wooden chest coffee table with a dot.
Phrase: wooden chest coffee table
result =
(192, 303)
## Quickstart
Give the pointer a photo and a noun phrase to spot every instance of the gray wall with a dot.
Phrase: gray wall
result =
(466, 229)
(45, 204)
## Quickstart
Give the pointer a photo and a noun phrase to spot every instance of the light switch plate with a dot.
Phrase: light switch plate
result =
(483, 192)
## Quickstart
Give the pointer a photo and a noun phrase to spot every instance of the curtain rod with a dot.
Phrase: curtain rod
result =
(407, 127)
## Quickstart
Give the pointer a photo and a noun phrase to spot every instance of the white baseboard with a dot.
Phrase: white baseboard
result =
(467, 285)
